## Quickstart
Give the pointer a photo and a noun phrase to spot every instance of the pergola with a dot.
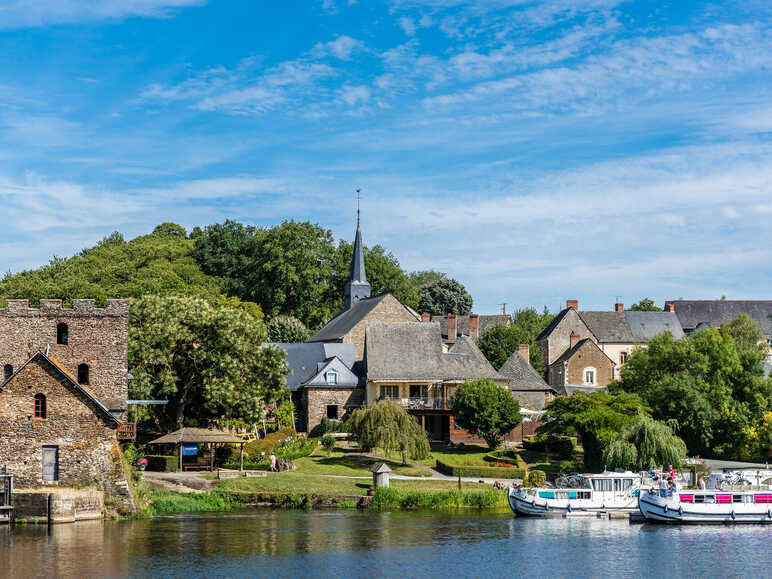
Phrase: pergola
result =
(188, 435)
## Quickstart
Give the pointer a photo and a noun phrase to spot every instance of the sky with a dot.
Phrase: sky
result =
(536, 151)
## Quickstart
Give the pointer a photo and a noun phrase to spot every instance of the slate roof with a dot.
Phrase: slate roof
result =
(346, 319)
(716, 312)
(646, 325)
(308, 360)
(404, 351)
(67, 380)
(521, 376)
(462, 323)
(608, 326)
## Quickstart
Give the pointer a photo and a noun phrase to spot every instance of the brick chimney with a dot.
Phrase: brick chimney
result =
(426, 318)
(525, 352)
(573, 304)
(574, 338)
(669, 307)
(618, 307)
(452, 327)
(474, 326)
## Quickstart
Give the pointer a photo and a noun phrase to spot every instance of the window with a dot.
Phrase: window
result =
(604, 485)
(50, 463)
(331, 377)
(589, 376)
(83, 374)
(332, 411)
(623, 357)
(62, 334)
(622, 484)
(390, 392)
(40, 406)
(7, 371)
(419, 391)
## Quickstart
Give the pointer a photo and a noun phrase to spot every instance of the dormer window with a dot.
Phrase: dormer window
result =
(331, 377)
(62, 334)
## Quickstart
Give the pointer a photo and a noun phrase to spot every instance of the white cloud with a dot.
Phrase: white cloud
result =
(34, 13)
(343, 48)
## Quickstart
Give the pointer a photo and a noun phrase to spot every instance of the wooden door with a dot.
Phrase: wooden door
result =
(50, 463)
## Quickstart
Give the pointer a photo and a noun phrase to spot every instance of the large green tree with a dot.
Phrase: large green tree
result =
(387, 425)
(205, 359)
(486, 410)
(645, 305)
(499, 342)
(443, 297)
(596, 418)
(710, 385)
(643, 443)
(287, 329)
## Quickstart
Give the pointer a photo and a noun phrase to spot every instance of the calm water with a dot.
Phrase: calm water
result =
(336, 544)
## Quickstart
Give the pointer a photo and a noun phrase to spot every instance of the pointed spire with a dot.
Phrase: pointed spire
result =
(357, 287)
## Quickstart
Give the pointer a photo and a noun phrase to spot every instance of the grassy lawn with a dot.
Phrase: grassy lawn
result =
(346, 463)
(294, 481)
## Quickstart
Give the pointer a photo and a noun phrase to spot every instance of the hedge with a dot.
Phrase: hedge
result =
(159, 463)
(507, 456)
(560, 446)
(481, 471)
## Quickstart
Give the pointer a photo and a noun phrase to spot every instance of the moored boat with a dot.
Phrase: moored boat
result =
(607, 492)
(700, 506)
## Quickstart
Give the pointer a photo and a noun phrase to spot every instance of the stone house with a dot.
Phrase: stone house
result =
(472, 325)
(406, 362)
(583, 364)
(64, 393)
(324, 381)
(348, 326)
(524, 381)
(615, 333)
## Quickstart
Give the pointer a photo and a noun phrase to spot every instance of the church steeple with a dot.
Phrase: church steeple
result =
(357, 287)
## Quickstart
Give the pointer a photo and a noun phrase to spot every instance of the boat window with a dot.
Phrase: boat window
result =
(737, 498)
(699, 498)
(622, 484)
(583, 495)
(603, 484)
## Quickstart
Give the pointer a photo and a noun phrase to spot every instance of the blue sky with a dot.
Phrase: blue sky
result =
(536, 151)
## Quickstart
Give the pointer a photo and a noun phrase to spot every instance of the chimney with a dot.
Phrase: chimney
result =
(474, 326)
(619, 307)
(573, 304)
(525, 352)
(452, 327)
(426, 318)
(670, 307)
(574, 338)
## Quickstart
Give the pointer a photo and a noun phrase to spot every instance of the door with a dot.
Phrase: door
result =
(50, 463)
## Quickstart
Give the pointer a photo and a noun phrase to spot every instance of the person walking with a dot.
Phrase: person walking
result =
(272, 458)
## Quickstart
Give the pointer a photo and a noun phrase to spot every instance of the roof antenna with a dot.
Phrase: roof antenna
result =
(358, 199)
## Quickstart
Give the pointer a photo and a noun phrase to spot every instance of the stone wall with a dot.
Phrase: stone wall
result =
(88, 452)
(96, 336)
(559, 339)
(589, 355)
(389, 309)
(58, 506)
(317, 399)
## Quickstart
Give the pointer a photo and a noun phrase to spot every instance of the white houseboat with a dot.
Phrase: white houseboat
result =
(713, 506)
(608, 492)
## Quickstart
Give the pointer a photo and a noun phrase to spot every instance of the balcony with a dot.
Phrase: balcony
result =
(422, 403)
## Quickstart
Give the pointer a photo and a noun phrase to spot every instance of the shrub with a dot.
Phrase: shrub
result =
(393, 498)
(480, 471)
(264, 445)
(561, 447)
(535, 478)
(171, 502)
(328, 442)
(292, 447)
(159, 463)
(507, 457)
(328, 426)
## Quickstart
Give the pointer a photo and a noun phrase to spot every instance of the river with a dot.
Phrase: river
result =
(351, 543)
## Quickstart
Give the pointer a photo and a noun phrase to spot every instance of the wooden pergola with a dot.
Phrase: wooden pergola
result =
(188, 435)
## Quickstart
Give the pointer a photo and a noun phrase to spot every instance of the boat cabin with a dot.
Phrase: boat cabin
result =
(725, 498)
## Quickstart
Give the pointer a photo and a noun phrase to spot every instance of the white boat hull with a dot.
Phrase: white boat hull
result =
(671, 510)
(533, 506)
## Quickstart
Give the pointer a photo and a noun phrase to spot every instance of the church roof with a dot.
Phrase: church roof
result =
(342, 324)
(357, 273)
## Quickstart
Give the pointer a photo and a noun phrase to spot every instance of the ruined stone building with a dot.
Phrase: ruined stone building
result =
(63, 393)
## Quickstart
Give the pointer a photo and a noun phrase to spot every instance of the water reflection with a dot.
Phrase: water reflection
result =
(346, 543)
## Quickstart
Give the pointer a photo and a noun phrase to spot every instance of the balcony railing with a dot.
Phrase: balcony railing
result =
(422, 403)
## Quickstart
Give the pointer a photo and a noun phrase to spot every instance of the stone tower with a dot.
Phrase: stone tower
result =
(357, 287)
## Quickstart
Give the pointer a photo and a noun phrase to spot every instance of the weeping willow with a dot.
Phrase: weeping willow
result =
(387, 426)
(644, 443)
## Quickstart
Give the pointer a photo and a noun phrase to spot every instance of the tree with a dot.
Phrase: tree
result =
(285, 414)
(207, 360)
(643, 443)
(388, 426)
(486, 410)
(596, 418)
(645, 305)
(499, 342)
(287, 329)
(420, 279)
(445, 296)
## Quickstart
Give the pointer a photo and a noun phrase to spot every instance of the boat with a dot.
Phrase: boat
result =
(707, 506)
(589, 494)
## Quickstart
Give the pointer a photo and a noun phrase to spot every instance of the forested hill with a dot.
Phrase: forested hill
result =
(292, 269)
